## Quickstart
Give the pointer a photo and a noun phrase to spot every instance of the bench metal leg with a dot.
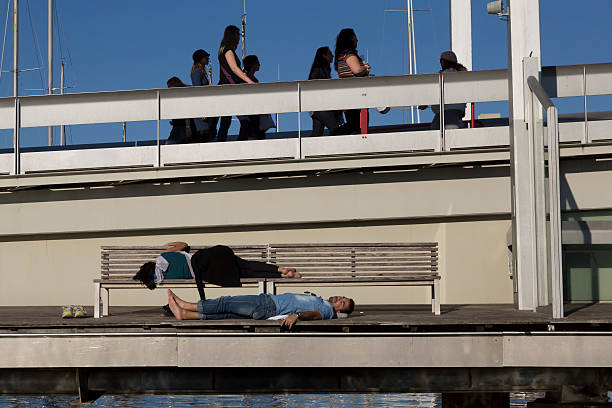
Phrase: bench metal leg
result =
(261, 287)
(270, 288)
(435, 297)
(96, 304)
(105, 301)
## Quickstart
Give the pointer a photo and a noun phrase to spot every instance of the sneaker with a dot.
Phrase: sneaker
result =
(67, 312)
(79, 311)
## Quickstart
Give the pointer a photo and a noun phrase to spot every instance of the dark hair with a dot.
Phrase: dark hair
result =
(319, 60)
(198, 55)
(450, 64)
(350, 308)
(249, 61)
(145, 275)
(175, 82)
(231, 38)
(344, 44)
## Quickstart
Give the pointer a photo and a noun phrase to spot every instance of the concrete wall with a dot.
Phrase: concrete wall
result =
(60, 271)
(50, 236)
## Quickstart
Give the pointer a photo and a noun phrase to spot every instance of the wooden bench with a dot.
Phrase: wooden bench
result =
(360, 265)
(402, 264)
(120, 264)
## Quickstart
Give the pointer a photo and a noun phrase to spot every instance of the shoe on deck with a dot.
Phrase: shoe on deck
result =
(79, 311)
(67, 312)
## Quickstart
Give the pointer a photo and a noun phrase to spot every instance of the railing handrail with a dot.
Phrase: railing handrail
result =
(539, 92)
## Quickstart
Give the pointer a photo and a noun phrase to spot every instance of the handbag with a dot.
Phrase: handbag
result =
(266, 122)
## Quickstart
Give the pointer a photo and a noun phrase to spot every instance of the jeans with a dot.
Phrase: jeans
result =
(257, 307)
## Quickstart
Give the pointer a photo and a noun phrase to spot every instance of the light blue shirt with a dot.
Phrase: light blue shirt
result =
(289, 303)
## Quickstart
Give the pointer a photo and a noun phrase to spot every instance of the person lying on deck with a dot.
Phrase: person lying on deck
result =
(294, 306)
(217, 265)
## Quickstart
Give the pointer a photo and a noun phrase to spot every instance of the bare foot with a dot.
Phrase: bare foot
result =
(176, 310)
(180, 302)
(289, 273)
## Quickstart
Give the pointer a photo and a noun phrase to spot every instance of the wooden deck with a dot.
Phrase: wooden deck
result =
(375, 318)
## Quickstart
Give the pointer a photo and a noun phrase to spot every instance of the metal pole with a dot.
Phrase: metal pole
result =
(409, 7)
(62, 127)
(554, 191)
(17, 153)
(158, 160)
(411, 10)
(243, 31)
(50, 59)
(585, 140)
(277, 123)
(124, 132)
(299, 144)
(442, 129)
(16, 76)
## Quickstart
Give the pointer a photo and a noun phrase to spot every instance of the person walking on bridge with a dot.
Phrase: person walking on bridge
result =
(294, 306)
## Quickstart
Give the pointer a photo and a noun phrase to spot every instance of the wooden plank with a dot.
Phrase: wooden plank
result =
(359, 264)
(385, 244)
(332, 257)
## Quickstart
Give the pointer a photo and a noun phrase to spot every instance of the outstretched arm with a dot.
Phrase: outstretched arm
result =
(289, 321)
(229, 57)
(177, 246)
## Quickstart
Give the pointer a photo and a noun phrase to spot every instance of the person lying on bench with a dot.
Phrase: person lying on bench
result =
(217, 265)
(295, 306)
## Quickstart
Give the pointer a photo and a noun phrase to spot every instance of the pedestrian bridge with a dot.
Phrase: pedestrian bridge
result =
(584, 129)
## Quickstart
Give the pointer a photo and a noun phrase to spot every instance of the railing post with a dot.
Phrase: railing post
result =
(536, 140)
(585, 138)
(16, 141)
(158, 159)
(363, 121)
(442, 130)
(554, 191)
(298, 153)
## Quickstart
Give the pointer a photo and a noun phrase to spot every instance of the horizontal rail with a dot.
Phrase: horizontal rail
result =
(249, 99)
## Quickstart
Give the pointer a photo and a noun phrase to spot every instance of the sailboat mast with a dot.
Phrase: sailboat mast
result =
(414, 59)
(409, 10)
(15, 47)
(50, 59)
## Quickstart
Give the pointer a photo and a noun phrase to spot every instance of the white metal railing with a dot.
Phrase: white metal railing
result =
(285, 97)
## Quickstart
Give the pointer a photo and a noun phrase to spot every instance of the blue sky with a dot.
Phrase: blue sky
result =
(137, 44)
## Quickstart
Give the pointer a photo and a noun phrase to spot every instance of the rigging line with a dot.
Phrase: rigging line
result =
(39, 56)
(433, 25)
(8, 10)
(60, 24)
(382, 47)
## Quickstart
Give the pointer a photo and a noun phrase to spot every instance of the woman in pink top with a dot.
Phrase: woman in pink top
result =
(349, 64)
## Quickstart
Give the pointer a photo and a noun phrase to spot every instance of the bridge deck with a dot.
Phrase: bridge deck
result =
(374, 318)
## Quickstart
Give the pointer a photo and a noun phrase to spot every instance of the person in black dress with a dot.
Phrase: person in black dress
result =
(217, 265)
(229, 71)
(321, 69)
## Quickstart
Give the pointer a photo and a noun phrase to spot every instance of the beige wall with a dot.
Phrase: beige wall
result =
(473, 262)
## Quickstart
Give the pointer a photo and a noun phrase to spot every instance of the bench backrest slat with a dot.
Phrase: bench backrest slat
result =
(339, 260)
(122, 262)
(358, 260)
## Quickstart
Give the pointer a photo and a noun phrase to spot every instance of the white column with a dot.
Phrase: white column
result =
(461, 35)
(523, 42)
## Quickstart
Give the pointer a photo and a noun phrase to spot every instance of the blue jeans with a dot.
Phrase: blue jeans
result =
(237, 307)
